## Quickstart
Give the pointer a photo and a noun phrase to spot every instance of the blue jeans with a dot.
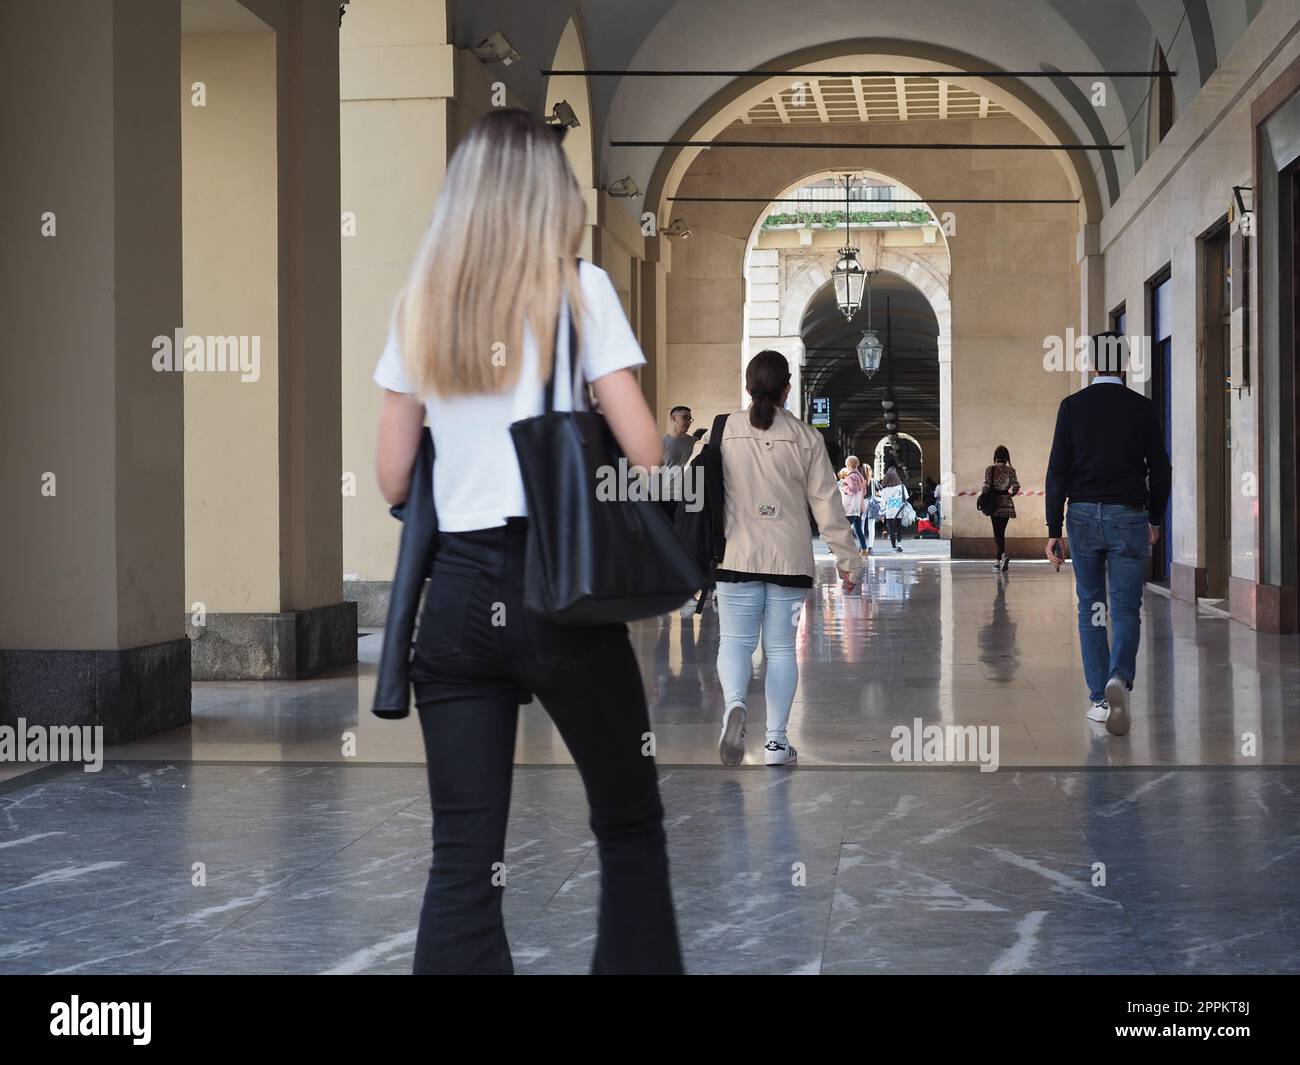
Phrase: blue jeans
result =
(1108, 542)
(744, 609)
(855, 523)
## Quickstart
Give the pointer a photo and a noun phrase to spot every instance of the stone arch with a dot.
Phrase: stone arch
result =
(878, 454)
(1022, 101)
(579, 143)
(923, 275)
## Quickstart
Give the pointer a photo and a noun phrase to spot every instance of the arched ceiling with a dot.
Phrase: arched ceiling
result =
(831, 366)
(1024, 35)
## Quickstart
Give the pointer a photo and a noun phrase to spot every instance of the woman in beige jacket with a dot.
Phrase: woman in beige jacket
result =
(774, 468)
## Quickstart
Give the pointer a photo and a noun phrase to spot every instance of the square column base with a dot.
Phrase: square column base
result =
(371, 598)
(289, 645)
(132, 693)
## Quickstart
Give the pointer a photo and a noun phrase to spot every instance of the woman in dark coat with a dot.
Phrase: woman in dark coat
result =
(1000, 478)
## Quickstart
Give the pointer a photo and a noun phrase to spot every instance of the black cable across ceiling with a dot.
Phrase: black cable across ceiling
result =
(864, 203)
(937, 146)
(942, 75)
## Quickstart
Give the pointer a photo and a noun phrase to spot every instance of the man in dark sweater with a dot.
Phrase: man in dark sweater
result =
(1109, 460)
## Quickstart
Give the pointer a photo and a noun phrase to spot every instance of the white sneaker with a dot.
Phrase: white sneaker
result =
(997, 566)
(776, 753)
(1117, 721)
(1099, 712)
(731, 744)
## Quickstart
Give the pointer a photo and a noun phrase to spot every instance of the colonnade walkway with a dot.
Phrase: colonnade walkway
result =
(1168, 850)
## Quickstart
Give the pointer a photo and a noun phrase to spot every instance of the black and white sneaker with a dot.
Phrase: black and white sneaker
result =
(1117, 721)
(777, 753)
(1006, 562)
(731, 744)
(1099, 711)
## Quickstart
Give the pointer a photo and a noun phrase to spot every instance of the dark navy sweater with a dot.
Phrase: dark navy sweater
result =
(1108, 448)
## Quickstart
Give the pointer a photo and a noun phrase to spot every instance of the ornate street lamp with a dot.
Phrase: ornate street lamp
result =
(848, 275)
(870, 349)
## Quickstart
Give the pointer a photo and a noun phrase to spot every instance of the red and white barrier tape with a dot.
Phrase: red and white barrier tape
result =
(1022, 492)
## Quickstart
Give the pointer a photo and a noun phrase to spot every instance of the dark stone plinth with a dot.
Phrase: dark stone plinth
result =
(132, 693)
(371, 598)
(288, 645)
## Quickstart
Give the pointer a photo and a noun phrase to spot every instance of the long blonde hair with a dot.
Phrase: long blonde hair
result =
(499, 253)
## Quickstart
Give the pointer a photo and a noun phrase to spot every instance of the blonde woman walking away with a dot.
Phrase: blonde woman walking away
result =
(511, 207)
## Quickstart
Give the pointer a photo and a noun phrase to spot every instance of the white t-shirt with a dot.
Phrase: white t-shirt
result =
(476, 480)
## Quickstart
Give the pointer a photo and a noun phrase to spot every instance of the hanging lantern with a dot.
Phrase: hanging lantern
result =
(870, 350)
(848, 274)
(849, 278)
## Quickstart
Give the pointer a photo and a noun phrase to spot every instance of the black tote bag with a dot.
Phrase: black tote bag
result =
(591, 561)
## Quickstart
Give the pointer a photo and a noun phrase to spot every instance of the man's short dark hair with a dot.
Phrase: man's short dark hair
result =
(1109, 352)
(679, 410)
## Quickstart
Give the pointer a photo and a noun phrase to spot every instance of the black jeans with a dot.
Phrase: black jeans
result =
(894, 525)
(1000, 535)
(477, 655)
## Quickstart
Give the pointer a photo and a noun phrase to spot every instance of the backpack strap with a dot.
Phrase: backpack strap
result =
(715, 488)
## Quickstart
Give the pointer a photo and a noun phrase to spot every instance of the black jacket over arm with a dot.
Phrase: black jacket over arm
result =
(415, 553)
(1108, 448)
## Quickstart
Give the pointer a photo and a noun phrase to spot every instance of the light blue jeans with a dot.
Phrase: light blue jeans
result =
(745, 609)
(1109, 544)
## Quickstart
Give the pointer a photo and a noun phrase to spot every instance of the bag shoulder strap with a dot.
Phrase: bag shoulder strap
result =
(719, 427)
(571, 352)
(714, 485)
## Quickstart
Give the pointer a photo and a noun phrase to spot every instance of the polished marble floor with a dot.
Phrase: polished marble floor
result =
(1170, 850)
(948, 642)
(320, 869)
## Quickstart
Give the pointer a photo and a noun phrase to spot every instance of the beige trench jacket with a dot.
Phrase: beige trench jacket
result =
(772, 477)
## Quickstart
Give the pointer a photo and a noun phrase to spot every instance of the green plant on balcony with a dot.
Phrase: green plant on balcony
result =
(832, 219)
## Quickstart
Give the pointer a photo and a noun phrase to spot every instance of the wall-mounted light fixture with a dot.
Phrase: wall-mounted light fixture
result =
(679, 228)
(494, 48)
(562, 115)
(624, 189)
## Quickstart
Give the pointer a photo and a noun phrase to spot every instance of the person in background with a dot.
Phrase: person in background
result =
(853, 494)
(509, 196)
(893, 494)
(872, 511)
(1109, 460)
(775, 469)
(679, 442)
(678, 445)
(1001, 479)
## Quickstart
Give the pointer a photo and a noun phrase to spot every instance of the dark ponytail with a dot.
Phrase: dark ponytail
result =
(765, 378)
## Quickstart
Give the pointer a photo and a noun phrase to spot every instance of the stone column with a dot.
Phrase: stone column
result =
(406, 97)
(277, 609)
(395, 83)
(93, 529)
